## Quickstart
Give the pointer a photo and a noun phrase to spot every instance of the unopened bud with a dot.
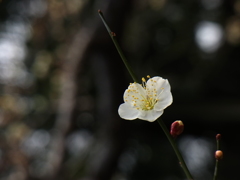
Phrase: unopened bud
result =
(218, 154)
(218, 136)
(176, 128)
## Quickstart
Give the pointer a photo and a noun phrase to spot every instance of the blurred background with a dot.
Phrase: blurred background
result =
(62, 80)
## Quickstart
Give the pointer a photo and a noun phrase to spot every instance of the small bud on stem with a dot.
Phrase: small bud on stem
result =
(218, 136)
(218, 154)
(113, 33)
(176, 128)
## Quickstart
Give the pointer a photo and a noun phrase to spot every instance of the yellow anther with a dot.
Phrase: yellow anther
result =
(143, 79)
(148, 76)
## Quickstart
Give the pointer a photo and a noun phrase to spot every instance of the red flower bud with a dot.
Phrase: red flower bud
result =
(176, 128)
(218, 154)
(218, 136)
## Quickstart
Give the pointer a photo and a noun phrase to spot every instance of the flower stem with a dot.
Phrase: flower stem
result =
(216, 163)
(113, 37)
(216, 170)
(177, 152)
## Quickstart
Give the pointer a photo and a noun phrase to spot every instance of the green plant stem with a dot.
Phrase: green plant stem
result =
(218, 144)
(216, 163)
(216, 170)
(113, 37)
(177, 152)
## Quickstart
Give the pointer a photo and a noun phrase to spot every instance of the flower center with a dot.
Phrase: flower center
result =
(150, 98)
(142, 98)
(148, 103)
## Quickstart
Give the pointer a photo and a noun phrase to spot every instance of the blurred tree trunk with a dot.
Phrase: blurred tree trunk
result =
(93, 45)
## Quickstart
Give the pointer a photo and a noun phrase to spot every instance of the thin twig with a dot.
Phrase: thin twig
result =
(113, 37)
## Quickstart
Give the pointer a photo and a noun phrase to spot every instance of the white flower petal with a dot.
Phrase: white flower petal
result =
(150, 115)
(161, 84)
(164, 101)
(150, 85)
(134, 94)
(131, 91)
(127, 112)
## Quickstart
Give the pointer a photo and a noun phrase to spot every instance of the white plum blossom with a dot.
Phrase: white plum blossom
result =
(146, 101)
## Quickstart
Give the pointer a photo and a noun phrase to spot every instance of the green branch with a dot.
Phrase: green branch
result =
(218, 137)
(113, 37)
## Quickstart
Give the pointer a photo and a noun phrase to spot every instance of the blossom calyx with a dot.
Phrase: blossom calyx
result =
(177, 128)
(218, 154)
